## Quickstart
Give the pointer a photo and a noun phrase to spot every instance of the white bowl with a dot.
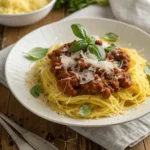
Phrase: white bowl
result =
(16, 20)
(17, 65)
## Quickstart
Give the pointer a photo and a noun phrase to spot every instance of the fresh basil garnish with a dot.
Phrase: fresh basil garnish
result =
(84, 110)
(98, 51)
(111, 37)
(36, 90)
(37, 53)
(79, 45)
(91, 40)
(86, 42)
(79, 31)
(110, 48)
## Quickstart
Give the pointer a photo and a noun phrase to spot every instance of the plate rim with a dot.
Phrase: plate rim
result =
(59, 121)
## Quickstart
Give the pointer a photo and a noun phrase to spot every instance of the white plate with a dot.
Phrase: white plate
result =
(17, 65)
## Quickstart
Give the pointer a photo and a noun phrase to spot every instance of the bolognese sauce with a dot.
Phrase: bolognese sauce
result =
(80, 73)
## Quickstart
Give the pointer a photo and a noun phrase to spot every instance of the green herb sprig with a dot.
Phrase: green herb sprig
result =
(86, 42)
(84, 110)
(36, 90)
(110, 48)
(74, 5)
(37, 53)
(111, 37)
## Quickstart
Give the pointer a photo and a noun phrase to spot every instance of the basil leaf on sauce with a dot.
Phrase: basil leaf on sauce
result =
(79, 45)
(111, 37)
(79, 31)
(84, 110)
(37, 53)
(98, 51)
(147, 70)
(110, 48)
(36, 90)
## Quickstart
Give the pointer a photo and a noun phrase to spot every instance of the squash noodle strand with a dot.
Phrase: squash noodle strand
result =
(117, 103)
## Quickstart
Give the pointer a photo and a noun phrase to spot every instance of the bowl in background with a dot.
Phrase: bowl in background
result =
(16, 20)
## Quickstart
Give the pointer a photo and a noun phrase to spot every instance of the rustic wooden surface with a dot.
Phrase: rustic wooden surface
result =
(63, 137)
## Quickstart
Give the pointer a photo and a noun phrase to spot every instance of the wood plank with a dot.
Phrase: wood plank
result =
(1, 35)
(4, 140)
(96, 147)
(4, 97)
(147, 143)
(139, 146)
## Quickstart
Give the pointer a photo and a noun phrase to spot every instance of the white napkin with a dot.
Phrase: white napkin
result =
(136, 12)
(116, 137)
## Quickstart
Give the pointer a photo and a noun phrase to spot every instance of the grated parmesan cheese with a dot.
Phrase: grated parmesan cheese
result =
(21, 6)
(87, 75)
(92, 60)
(105, 44)
(67, 61)
(58, 67)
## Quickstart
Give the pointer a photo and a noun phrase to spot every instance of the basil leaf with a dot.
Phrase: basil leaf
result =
(98, 51)
(79, 31)
(147, 70)
(110, 48)
(91, 40)
(84, 110)
(36, 90)
(77, 46)
(37, 53)
(112, 37)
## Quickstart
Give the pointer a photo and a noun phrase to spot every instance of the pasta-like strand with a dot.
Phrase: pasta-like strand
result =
(117, 103)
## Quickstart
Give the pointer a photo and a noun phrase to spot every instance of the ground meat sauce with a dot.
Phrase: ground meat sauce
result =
(104, 83)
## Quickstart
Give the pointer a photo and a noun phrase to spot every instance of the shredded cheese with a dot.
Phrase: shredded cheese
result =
(92, 60)
(87, 75)
(67, 61)
(21, 6)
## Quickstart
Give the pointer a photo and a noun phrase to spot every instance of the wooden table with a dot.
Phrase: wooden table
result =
(63, 137)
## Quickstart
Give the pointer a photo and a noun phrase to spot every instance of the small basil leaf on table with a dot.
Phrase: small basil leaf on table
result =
(98, 51)
(84, 110)
(79, 31)
(110, 48)
(36, 90)
(79, 45)
(111, 37)
(147, 70)
(37, 53)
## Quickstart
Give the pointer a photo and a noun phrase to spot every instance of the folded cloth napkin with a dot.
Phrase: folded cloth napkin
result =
(116, 137)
